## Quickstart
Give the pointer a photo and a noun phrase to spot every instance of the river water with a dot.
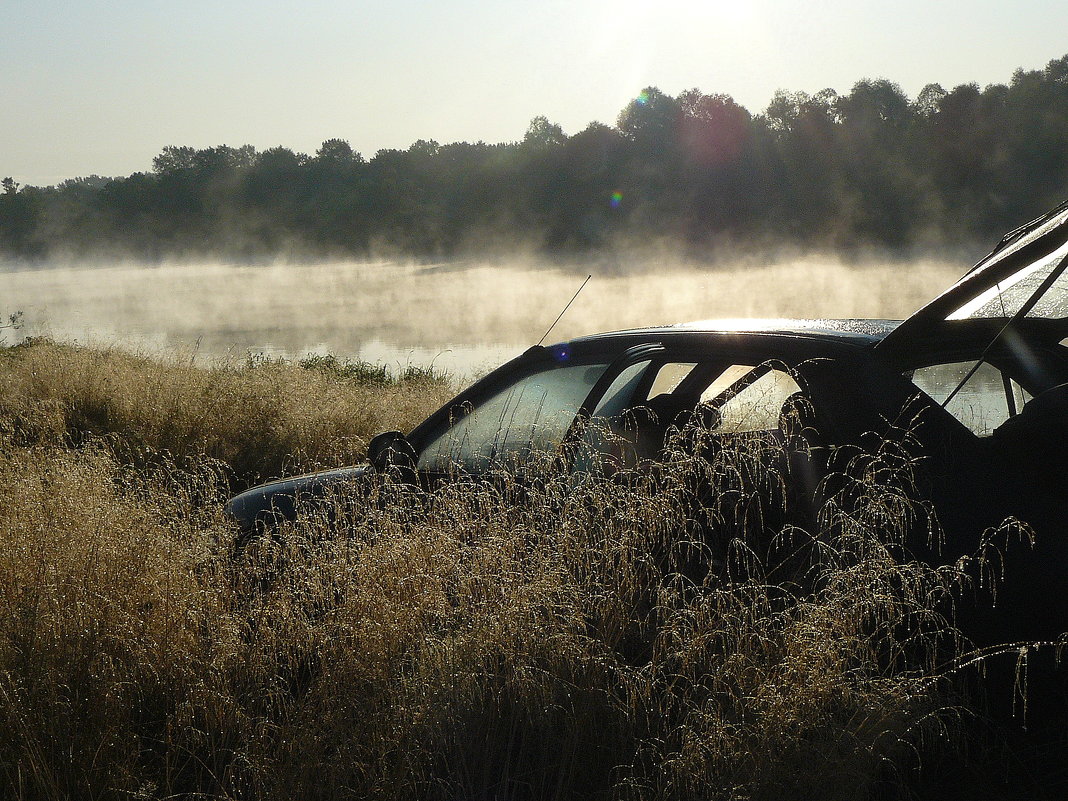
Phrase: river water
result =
(461, 317)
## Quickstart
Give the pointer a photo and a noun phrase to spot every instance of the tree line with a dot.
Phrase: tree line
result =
(871, 169)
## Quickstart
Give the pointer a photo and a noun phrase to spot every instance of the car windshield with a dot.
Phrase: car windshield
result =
(531, 414)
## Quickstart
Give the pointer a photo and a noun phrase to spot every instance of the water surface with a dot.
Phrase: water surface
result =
(460, 317)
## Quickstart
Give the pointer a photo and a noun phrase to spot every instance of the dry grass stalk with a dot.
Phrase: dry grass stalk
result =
(262, 418)
(691, 631)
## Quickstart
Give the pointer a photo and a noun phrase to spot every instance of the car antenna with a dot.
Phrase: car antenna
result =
(561, 314)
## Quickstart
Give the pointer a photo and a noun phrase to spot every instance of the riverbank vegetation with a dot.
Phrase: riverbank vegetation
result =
(695, 174)
(259, 418)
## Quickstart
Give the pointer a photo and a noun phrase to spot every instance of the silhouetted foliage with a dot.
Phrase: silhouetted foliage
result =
(870, 169)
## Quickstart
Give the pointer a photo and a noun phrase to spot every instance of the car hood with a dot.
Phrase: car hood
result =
(276, 500)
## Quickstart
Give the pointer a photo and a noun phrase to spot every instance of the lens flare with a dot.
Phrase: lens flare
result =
(642, 98)
(616, 200)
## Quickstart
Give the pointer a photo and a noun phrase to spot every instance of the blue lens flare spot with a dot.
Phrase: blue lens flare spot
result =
(616, 200)
(642, 98)
(560, 353)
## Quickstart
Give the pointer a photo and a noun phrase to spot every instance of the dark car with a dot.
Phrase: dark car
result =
(981, 372)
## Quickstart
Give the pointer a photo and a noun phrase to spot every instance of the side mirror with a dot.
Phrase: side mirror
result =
(391, 449)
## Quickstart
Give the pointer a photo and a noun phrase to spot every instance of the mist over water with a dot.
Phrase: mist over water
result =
(461, 317)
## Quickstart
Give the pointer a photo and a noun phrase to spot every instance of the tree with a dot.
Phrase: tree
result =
(224, 157)
(543, 134)
(424, 148)
(1057, 70)
(713, 128)
(10, 186)
(650, 120)
(930, 99)
(783, 111)
(874, 102)
(174, 158)
(337, 152)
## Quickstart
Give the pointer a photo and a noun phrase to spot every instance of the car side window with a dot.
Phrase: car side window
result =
(756, 406)
(532, 414)
(725, 381)
(985, 401)
(669, 376)
(628, 424)
(746, 400)
(617, 398)
(635, 385)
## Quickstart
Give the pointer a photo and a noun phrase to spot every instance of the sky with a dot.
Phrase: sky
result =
(94, 87)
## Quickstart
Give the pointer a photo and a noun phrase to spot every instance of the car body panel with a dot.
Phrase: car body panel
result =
(264, 506)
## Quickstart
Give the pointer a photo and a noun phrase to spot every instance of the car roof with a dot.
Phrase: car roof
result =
(853, 331)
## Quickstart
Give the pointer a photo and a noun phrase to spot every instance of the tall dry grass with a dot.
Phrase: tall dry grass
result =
(690, 631)
(693, 630)
(261, 418)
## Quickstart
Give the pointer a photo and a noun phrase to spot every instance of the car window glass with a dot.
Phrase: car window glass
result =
(980, 405)
(756, 407)
(532, 414)
(660, 399)
(623, 394)
(1020, 396)
(618, 395)
(725, 380)
(1008, 296)
(669, 376)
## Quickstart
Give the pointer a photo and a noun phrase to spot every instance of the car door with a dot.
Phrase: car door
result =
(990, 353)
(995, 340)
(1016, 297)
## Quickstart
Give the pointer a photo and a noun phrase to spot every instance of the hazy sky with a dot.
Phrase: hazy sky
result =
(88, 86)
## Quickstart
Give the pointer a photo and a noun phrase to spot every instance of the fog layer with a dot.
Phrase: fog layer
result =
(461, 317)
